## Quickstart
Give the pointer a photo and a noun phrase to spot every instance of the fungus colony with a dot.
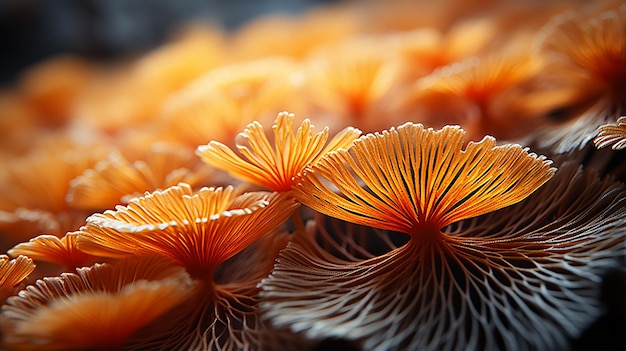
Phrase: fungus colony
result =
(465, 192)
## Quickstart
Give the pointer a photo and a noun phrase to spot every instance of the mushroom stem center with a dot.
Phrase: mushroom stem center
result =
(427, 234)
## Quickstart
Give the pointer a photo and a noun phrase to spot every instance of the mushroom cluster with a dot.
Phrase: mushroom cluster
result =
(465, 192)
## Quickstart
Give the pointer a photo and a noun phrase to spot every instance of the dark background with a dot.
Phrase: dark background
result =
(32, 30)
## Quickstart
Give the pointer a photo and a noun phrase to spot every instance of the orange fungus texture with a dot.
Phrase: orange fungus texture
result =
(381, 175)
(418, 178)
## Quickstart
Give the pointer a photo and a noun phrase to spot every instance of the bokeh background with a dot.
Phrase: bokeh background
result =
(32, 30)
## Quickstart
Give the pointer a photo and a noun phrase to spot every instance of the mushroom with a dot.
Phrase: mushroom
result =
(118, 178)
(200, 231)
(586, 54)
(96, 308)
(613, 135)
(218, 104)
(479, 271)
(50, 248)
(485, 94)
(33, 188)
(12, 273)
(275, 168)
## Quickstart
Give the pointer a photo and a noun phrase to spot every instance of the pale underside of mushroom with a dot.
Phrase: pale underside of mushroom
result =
(524, 277)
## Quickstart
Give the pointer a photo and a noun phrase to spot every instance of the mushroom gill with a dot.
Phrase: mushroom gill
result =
(613, 135)
(95, 308)
(201, 231)
(275, 168)
(474, 274)
(586, 66)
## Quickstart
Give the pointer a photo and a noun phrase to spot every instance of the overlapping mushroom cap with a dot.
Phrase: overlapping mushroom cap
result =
(12, 273)
(587, 67)
(217, 105)
(95, 308)
(33, 188)
(348, 83)
(613, 135)
(485, 95)
(50, 248)
(475, 274)
(437, 243)
(203, 232)
(275, 168)
(196, 230)
(418, 178)
(117, 179)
